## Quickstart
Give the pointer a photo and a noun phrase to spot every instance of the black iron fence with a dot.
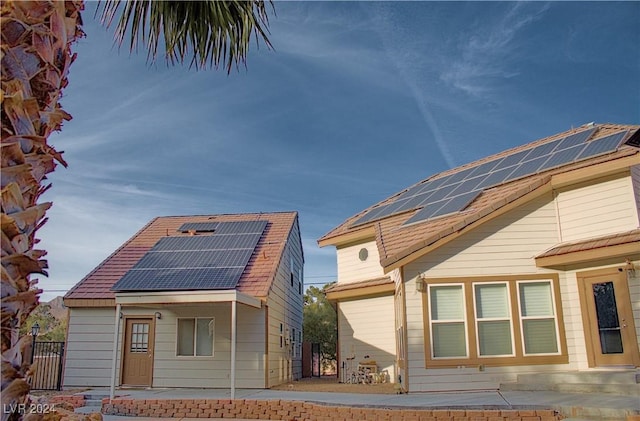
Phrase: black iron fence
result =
(47, 360)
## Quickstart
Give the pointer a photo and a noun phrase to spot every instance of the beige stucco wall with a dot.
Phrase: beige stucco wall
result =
(367, 328)
(88, 355)
(352, 269)
(590, 210)
(507, 246)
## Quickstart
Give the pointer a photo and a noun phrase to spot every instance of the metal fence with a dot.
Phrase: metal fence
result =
(47, 360)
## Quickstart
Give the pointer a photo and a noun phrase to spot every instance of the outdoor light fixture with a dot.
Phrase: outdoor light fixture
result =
(35, 329)
(34, 333)
(420, 286)
(158, 315)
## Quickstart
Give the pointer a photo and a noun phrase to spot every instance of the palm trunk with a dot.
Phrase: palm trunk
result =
(36, 55)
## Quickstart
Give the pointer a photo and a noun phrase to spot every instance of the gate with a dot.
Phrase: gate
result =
(311, 360)
(47, 359)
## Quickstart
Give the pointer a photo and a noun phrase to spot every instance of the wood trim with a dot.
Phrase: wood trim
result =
(620, 273)
(89, 302)
(560, 261)
(385, 289)
(267, 337)
(123, 337)
(390, 263)
(594, 171)
(349, 237)
(519, 358)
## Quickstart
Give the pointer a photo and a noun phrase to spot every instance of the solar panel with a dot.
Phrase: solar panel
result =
(511, 160)
(528, 168)
(575, 139)
(444, 207)
(241, 227)
(601, 146)
(413, 203)
(540, 150)
(413, 190)
(208, 262)
(457, 177)
(198, 226)
(433, 194)
(209, 242)
(194, 259)
(485, 168)
(465, 186)
(179, 279)
(562, 157)
(371, 215)
(494, 178)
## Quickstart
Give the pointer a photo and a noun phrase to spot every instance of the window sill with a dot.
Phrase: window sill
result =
(498, 362)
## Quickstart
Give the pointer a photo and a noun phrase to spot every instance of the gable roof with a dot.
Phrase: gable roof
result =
(256, 279)
(398, 241)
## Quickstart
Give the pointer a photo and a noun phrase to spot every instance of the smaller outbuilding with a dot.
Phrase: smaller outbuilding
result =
(209, 301)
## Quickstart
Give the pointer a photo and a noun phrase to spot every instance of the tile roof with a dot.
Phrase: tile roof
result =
(255, 281)
(397, 241)
(618, 239)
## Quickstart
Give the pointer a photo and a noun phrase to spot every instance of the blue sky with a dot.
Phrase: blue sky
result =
(358, 101)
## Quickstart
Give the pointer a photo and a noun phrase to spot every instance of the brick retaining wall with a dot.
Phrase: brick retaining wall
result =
(76, 401)
(298, 410)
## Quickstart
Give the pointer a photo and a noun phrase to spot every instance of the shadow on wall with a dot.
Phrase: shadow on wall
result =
(361, 355)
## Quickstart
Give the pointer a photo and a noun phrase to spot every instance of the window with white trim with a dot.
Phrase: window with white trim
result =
(538, 318)
(195, 337)
(448, 321)
(494, 321)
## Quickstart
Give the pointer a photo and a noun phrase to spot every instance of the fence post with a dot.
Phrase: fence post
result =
(60, 364)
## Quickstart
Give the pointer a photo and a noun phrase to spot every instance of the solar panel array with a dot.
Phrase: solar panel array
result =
(207, 262)
(198, 226)
(452, 193)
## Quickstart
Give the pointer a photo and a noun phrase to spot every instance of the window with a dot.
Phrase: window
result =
(195, 337)
(291, 269)
(294, 346)
(448, 324)
(139, 337)
(281, 335)
(493, 321)
(539, 333)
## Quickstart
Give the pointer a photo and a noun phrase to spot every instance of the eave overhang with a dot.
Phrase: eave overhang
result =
(368, 288)
(609, 249)
(184, 297)
(366, 233)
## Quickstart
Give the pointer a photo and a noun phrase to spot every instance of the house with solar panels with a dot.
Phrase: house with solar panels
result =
(501, 273)
(192, 301)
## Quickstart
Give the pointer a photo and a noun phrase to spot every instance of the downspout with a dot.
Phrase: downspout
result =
(233, 347)
(116, 334)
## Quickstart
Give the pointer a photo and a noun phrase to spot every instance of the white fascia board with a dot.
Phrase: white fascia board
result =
(185, 297)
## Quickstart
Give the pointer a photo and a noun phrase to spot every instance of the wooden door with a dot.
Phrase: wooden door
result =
(137, 361)
(608, 319)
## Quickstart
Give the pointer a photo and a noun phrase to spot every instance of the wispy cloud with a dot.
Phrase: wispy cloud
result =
(484, 56)
(404, 53)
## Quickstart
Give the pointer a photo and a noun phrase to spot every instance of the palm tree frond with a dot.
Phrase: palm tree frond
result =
(208, 33)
